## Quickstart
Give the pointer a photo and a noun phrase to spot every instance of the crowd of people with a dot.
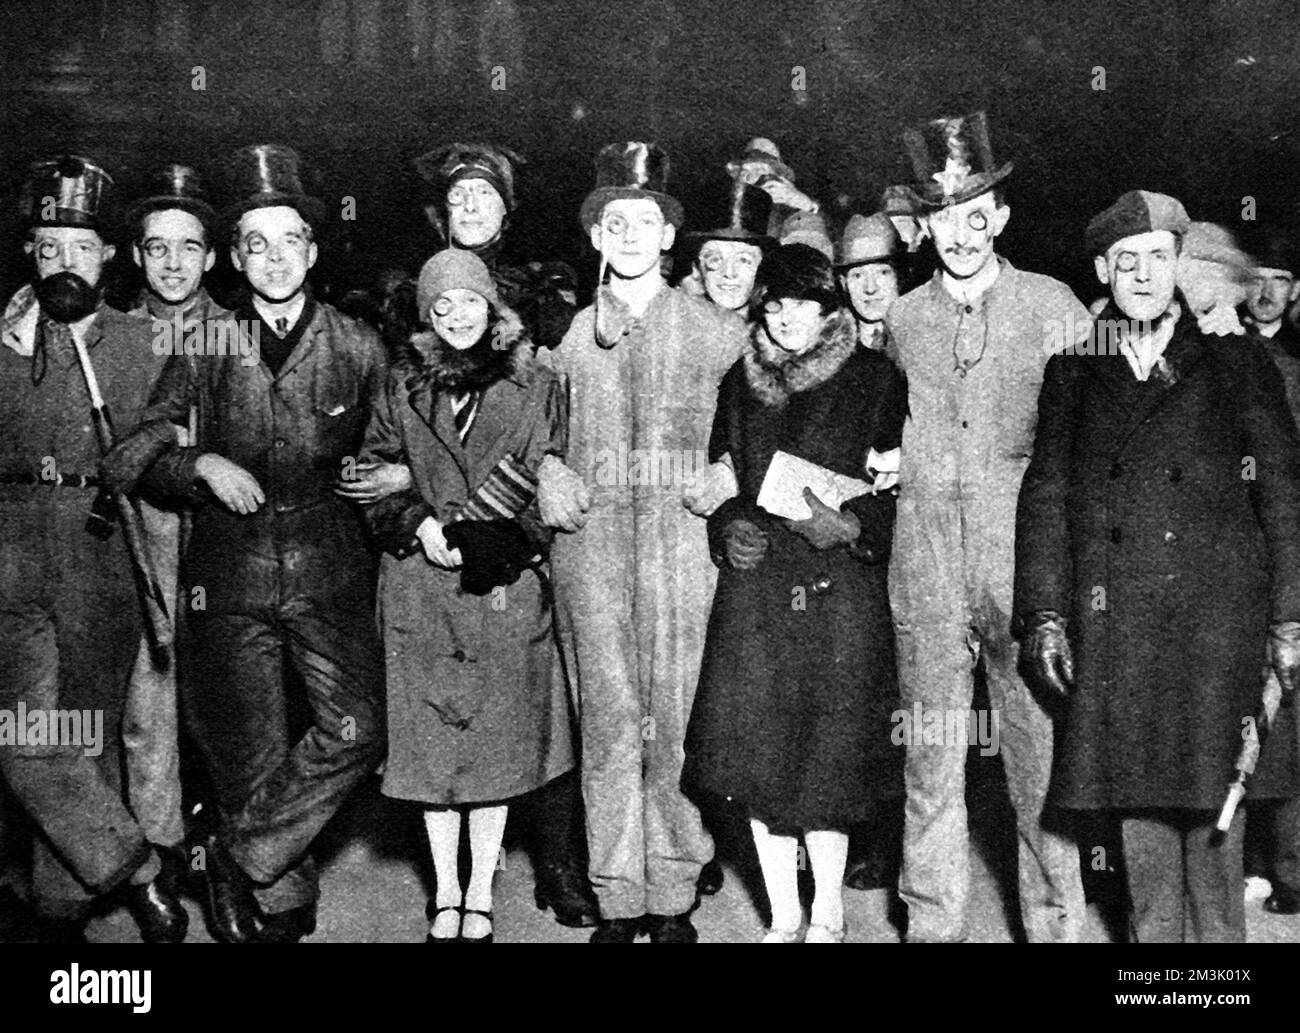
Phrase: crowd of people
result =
(741, 545)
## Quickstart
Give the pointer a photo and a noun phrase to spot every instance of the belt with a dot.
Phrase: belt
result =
(59, 480)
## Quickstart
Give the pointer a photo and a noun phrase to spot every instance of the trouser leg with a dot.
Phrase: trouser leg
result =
(676, 843)
(935, 671)
(150, 725)
(1216, 910)
(89, 842)
(1050, 882)
(1154, 869)
(341, 666)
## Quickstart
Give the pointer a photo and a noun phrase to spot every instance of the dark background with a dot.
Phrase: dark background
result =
(1199, 102)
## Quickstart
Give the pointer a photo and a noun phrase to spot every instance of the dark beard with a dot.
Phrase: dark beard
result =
(66, 297)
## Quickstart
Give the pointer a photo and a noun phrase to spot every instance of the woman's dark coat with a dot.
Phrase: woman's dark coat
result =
(1163, 520)
(792, 717)
(477, 708)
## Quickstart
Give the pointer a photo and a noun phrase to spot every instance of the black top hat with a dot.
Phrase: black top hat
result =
(748, 211)
(174, 186)
(953, 159)
(630, 169)
(267, 175)
(67, 191)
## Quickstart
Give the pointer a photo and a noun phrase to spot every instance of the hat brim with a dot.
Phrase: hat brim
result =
(596, 201)
(841, 264)
(775, 168)
(763, 240)
(201, 210)
(932, 197)
(312, 209)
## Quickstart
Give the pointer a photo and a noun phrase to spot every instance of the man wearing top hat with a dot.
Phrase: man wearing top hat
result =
(727, 257)
(1166, 471)
(277, 557)
(70, 618)
(633, 578)
(173, 244)
(971, 343)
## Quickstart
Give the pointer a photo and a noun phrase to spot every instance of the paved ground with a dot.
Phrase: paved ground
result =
(374, 864)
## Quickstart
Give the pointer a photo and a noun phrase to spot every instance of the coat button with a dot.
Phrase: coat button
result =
(279, 442)
(1116, 471)
(823, 585)
(964, 423)
(1115, 535)
(459, 656)
(1176, 474)
(1171, 538)
(970, 309)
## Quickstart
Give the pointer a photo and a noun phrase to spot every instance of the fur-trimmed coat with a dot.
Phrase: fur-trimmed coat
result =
(792, 715)
(476, 699)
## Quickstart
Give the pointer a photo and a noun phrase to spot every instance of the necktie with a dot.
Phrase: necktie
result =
(53, 339)
(464, 408)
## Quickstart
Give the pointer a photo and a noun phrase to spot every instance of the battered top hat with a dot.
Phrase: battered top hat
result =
(267, 175)
(868, 238)
(1137, 211)
(764, 153)
(67, 191)
(797, 271)
(444, 166)
(747, 217)
(174, 186)
(632, 169)
(953, 159)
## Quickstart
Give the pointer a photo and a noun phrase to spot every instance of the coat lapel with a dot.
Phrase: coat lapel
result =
(1137, 401)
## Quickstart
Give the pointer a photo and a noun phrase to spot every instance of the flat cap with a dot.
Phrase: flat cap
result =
(1138, 211)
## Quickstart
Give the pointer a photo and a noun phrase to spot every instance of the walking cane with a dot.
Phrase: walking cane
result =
(148, 590)
(1253, 739)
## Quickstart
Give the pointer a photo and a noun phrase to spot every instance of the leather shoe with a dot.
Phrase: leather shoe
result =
(233, 914)
(157, 911)
(566, 891)
(671, 929)
(617, 930)
(289, 926)
(1283, 901)
(710, 880)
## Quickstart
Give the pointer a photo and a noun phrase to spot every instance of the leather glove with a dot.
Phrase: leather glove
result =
(1047, 652)
(1284, 653)
(127, 461)
(826, 527)
(746, 544)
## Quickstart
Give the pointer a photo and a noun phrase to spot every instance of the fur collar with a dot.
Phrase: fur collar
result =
(774, 376)
(501, 354)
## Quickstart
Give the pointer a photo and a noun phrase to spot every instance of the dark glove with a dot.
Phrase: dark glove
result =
(493, 553)
(746, 544)
(127, 461)
(1284, 653)
(826, 527)
(1046, 652)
